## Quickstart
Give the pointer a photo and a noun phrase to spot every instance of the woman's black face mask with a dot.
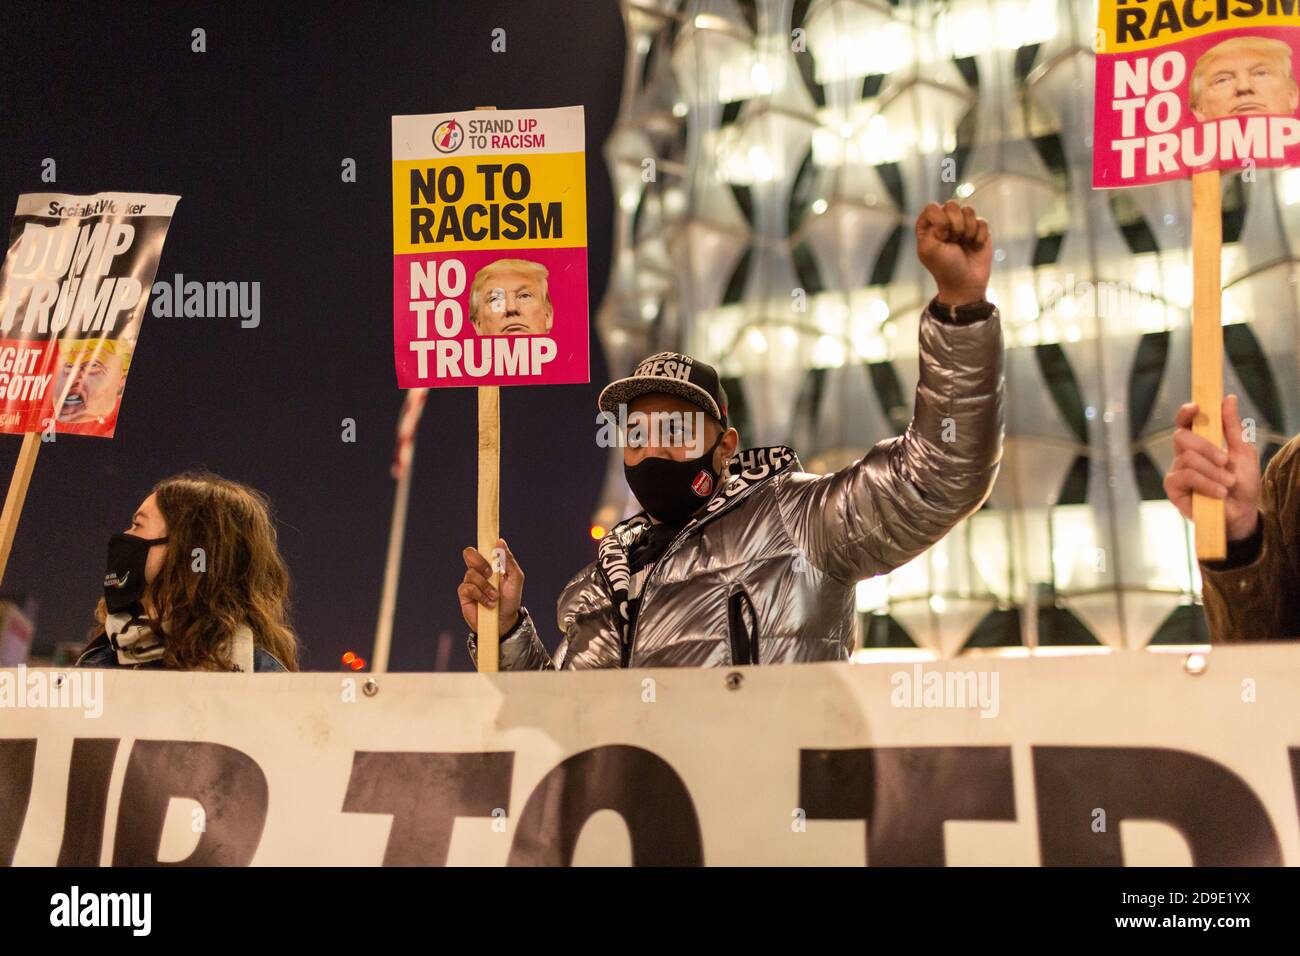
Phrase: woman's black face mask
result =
(124, 580)
(672, 491)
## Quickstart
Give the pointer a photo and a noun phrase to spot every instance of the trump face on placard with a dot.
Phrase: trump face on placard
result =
(510, 297)
(91, 378)
(1243, 76)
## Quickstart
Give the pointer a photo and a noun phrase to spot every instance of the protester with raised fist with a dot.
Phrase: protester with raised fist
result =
(1254, 593)
(196, 582)
(741, 556)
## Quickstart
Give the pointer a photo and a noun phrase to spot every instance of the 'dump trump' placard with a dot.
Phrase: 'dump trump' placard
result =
(1194, 85)
(73, 293)
(490, 248)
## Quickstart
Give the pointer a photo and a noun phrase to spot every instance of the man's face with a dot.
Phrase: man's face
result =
(1244, 82)
(512, 304)
(93, 385)
(673, 428)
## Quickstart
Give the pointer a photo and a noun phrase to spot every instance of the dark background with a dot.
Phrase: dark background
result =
(252, 134)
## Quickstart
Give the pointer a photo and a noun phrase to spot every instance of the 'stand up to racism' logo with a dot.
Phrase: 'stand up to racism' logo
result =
(447, 136)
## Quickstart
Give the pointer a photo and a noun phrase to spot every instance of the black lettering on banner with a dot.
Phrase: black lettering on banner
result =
(17, 761)
(421, 224)
(1173, 17)
(1166, 19)
(545, 222)
(226, 782)
(491, 220)
(1215, 811)
(89, 772)
(1129, 24)
(425, 793)
(477, 222)
(450, 229)
(636, 784)
(906, 793)
(517, 182)
(431, 186)
(489, 173)
(1190, 17)
(515, 225)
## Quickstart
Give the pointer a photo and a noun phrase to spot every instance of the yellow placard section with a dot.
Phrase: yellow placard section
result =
(524, 201)
(1146, 24)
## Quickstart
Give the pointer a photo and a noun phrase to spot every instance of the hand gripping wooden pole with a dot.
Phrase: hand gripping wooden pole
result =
(1207, 350)
(489, 501)
(22, 477)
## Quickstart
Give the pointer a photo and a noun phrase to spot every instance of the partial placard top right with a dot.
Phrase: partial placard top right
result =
(1194, 85)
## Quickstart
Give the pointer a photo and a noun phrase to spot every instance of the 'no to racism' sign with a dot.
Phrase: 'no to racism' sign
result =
(1192, 86)
(490, 248)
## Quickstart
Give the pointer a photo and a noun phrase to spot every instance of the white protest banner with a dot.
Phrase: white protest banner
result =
(1097, 759)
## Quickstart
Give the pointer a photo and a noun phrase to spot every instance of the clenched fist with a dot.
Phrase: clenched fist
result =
(953, 245)
(477, 588)
(1205, 469)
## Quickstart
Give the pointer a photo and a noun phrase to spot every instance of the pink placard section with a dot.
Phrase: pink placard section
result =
(1154, 124)
(490, 318)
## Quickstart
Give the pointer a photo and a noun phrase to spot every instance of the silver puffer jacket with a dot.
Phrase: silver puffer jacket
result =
(767, 573)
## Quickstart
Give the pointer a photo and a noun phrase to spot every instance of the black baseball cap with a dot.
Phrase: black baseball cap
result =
(670, 373)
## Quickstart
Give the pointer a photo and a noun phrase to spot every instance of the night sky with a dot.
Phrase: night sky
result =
(252, 134)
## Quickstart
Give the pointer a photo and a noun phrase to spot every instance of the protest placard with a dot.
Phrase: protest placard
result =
(1191, 89)
(489, 271)
(490, 248)
(73, 292)
(1188, 87)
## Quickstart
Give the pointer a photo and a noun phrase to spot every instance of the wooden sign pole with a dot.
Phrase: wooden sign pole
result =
(1207, 350)
(489, 500)
(22, 477)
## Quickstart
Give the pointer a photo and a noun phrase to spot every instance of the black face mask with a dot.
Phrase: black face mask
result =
(672, 491)
(124, 581)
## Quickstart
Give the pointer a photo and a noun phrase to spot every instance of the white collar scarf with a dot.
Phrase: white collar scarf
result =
(135, 643)
(748, 469)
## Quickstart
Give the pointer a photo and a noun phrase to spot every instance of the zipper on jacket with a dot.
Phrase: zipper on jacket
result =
(668, 552)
